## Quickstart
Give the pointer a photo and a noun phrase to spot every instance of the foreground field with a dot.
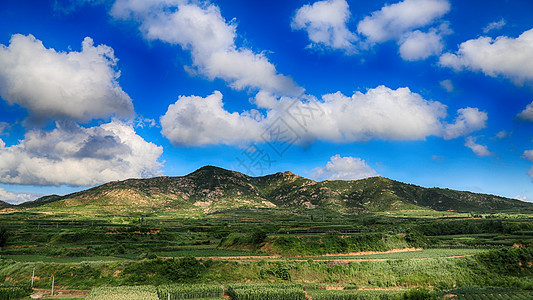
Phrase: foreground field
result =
(334, 256)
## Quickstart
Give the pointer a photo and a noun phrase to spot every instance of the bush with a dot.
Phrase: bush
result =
(4, 235)
(419, 294)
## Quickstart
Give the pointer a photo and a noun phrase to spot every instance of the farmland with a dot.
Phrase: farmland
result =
(252, 251)
(243, 247)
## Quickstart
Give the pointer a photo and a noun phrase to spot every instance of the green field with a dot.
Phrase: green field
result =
(257, 250)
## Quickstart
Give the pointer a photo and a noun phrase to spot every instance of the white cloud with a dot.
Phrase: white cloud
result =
(65, 85)
(527, 113)
(141, 122)
(195, 121)
(502, 134)
(468, 120)
(326, 24)
(344, 168)
(418, 45)
(79, 156)
(201, 29)
(528, 154)
(479, 150)
(393, 21)
(380, 113)
(447, 85)
(16, 198)
(522, 198)
(494, 26)
(505, 56)
(530, 173)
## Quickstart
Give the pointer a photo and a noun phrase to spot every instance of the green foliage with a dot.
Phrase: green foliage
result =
(190, 291)
(281, 270)
(185, 269)
(14, 292)
(353, 295)
(473, 227)
(509, 261)
(123, 293)
(258, 237)
(4, 235)
(419, 294)
(333, 242)
(271, 292)
(244, 240)
(416, 239)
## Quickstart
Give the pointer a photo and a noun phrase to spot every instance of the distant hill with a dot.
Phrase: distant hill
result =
(4, 204)
(211, 189)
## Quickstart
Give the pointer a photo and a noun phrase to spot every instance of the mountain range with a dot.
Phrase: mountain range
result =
(210, 189)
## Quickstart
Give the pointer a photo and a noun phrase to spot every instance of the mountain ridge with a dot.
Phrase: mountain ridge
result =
(210, 189)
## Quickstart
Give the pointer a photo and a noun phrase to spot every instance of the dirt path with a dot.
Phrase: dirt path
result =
(347, 260)
(61, 293)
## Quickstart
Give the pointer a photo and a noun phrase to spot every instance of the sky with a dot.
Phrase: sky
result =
(437, 93)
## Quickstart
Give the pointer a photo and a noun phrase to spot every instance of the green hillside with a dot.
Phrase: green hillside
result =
(211, 189)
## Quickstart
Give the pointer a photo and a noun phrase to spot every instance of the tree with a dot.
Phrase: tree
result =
(3, 237)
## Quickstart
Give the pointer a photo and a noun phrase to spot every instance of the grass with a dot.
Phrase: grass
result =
(48, 259)
(426, 253)
(83, 250)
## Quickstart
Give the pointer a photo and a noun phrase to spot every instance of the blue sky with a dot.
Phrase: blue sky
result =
(430, 92)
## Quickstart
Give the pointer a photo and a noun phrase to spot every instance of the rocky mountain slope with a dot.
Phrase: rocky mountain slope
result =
(211, 189)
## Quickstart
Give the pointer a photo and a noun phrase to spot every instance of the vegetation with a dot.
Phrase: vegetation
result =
(272, 292)
(268, 237)
(124, 293)
(195, 291)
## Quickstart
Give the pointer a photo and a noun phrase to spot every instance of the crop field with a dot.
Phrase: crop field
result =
(259, 253)
(487, 293)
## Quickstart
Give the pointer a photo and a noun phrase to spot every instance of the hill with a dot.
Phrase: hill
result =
(211, 189)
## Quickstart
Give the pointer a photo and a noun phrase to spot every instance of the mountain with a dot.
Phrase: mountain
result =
(211, 189)
(4, 204)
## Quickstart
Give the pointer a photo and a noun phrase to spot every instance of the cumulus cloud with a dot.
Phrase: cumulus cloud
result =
(195, 121)
(494, 26)
(201, 29)
(479, 150)
(418, 45)
(63, 85)
(393, 21)
(326, 24)
(73, 155)
(505, 56)
(468, 120)
(527, 113)
(344, 168)
(379, 113)
(17, 198)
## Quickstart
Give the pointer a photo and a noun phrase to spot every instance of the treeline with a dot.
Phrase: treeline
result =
(332, 242)
(471, 227)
